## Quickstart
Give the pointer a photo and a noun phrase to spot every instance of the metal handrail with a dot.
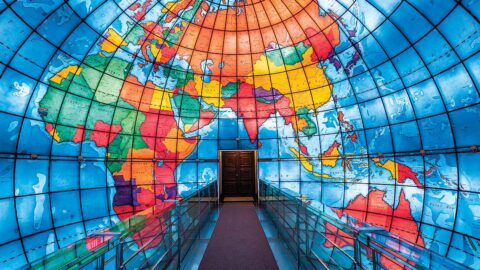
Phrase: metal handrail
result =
(77, 254)
(367, 239)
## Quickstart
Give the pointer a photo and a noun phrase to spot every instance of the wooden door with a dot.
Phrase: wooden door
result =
(238, 173)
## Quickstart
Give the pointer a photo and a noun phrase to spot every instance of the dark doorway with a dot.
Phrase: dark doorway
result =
(238, 174)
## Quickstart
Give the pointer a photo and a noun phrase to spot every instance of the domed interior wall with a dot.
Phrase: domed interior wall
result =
(371, 109)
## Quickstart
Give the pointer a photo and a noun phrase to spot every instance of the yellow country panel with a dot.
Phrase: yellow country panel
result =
(263, 66)
(171, 144)
(303, 160)
(330, 160)
(307, 165)
(113, 41)
(303, 99)
(156, 52)
(185, 146)
(210, 91)
(316, 77)
(260, 80)
(169, 6)
(298, 80)
(389, 165)
(181, 145)
(300, 124)
(321, 95)
(63, 74)
(281, 83)
(54, 134)
(161, 99)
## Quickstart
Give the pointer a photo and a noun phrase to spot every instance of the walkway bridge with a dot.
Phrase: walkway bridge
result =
(277, 231)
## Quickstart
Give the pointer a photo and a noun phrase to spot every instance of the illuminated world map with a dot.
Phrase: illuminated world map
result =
(368, 108)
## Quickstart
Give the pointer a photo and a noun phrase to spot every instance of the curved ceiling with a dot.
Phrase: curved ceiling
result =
(369, 108)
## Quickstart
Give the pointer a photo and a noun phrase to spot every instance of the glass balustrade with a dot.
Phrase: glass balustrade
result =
(156, 238)
(161, 236)
(321, 241)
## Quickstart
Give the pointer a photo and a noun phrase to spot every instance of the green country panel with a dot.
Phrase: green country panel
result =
(66, 134)
(122, 114)
(189, 13)
(289, 55)
(189, 107)
(171, 37)
(118, 68)
(50, 105)
(91, 76)
(108, 89)
(135, 34)
(230, 89)
(99, 112)
(311, 128)
(97, 61)
(261, 99)
(119, 147)
(74, 111)
(80, 86)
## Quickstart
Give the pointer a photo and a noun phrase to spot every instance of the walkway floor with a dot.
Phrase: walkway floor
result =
(238, 241)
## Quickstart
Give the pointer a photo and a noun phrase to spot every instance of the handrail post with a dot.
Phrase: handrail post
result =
(376, 260)
(101, 261)
(179, 242)
(357, 252)
(307, 245)
(119, 255)
(297, 229)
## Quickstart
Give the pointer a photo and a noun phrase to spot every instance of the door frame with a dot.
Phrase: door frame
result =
(220, 172)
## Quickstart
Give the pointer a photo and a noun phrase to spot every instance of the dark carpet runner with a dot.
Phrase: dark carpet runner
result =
(238, 241)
